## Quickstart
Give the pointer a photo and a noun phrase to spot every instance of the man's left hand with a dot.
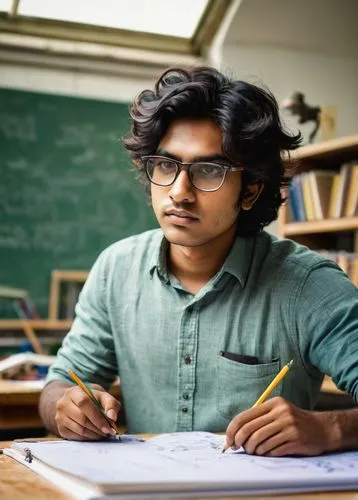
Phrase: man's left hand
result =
(277, 428)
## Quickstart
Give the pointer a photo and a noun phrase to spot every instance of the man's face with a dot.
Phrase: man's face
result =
(187, 216)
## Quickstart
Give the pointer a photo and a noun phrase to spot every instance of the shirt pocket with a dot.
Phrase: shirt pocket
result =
(240, 384)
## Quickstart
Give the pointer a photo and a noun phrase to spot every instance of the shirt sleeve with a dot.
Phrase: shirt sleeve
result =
(88, 349)
(327, 322)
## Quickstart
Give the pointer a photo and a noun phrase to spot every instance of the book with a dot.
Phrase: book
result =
(333, 199)
(341, 190)
(307, 196)
(351, 207)
(179, 463)
(321, 184)
(296, 200)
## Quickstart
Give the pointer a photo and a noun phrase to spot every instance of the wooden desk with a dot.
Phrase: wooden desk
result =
(33, 486)
(18, 407)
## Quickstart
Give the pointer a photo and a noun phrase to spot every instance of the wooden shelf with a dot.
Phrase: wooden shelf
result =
(65, 275)
(321, 226)
(337, 149)
(58, 276)
(36, 324)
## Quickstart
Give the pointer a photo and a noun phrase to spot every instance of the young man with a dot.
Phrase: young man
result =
(198, 317)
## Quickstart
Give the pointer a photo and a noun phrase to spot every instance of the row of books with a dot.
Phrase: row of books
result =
(347, 261)
(325, 194)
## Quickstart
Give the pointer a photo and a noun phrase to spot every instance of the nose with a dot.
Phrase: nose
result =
(182, 190)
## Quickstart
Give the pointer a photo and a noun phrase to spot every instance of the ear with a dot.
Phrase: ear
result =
(251, 195)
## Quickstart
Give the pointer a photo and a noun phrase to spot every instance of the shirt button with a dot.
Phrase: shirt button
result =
(185, 396)
(184, 410)
(187, 359)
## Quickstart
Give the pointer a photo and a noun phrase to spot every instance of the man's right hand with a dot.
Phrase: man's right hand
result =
(78, 419)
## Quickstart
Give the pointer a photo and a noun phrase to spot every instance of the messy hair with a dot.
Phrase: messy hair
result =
(248, 118)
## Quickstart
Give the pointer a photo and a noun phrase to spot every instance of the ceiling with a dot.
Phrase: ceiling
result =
(328, 26)
(183, 26)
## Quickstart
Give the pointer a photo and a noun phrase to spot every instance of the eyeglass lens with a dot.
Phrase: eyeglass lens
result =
(206, 176)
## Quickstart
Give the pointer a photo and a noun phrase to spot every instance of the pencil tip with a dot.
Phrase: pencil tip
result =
(290, 363)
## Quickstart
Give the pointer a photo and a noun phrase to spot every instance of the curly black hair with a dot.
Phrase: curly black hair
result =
(248, 117)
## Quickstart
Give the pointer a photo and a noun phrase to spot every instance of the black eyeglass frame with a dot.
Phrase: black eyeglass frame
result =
(186, 166)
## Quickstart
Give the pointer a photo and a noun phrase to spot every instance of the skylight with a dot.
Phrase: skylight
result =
(184, 27)
(5, 5)
(178, 18)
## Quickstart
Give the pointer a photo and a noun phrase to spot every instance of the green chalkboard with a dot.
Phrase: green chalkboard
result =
(67, 186)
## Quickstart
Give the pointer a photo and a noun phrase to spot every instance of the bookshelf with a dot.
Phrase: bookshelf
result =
(322, 226)
(36, 324)
(29, 326)
(341, 149)
(325, 233)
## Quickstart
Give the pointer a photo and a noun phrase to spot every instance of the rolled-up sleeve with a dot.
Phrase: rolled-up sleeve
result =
(327, 320)
(88, 348)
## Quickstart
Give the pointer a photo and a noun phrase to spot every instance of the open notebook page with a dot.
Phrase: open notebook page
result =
(192, 462)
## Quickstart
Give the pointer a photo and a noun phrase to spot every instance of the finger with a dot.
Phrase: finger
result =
(78, 416)
(247, 416)
(256, 441)
(70, 435)
(93, 414)
(283, 450)
(245, 431)
(73, 436)
(82, 433)
(110, 405)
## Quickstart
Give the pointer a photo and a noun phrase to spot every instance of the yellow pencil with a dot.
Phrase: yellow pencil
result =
(86, 389)
(269, 389)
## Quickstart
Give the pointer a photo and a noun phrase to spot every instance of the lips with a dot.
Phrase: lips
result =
(180, 217)
(183, 214)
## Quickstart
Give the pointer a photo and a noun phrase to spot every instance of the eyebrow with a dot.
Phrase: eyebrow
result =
(209, 158)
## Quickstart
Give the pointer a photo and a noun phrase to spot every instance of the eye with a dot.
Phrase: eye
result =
(209, 169)
(165, 166)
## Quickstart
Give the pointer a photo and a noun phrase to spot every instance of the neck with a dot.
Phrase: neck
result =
(195, 266)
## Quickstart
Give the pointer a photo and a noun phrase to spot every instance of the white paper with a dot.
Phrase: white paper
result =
(193, 461)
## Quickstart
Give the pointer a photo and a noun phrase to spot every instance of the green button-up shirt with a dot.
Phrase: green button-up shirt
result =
(272, 299)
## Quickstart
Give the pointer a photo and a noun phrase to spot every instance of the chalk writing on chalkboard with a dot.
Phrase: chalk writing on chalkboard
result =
(67, 188)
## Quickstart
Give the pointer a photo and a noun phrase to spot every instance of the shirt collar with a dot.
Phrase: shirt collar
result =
(159, 257)
(239, 260)
(237, 263)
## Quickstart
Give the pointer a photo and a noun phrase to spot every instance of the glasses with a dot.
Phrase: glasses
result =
(203, 175)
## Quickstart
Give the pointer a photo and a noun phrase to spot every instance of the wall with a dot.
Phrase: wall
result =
(324, 79)
(38, 77)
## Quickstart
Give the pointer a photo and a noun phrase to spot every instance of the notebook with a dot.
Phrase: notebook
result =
(179, 463)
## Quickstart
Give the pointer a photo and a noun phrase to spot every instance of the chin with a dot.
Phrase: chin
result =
(183, 238)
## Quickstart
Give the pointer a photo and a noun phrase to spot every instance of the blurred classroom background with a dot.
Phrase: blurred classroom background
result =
(68, 72)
